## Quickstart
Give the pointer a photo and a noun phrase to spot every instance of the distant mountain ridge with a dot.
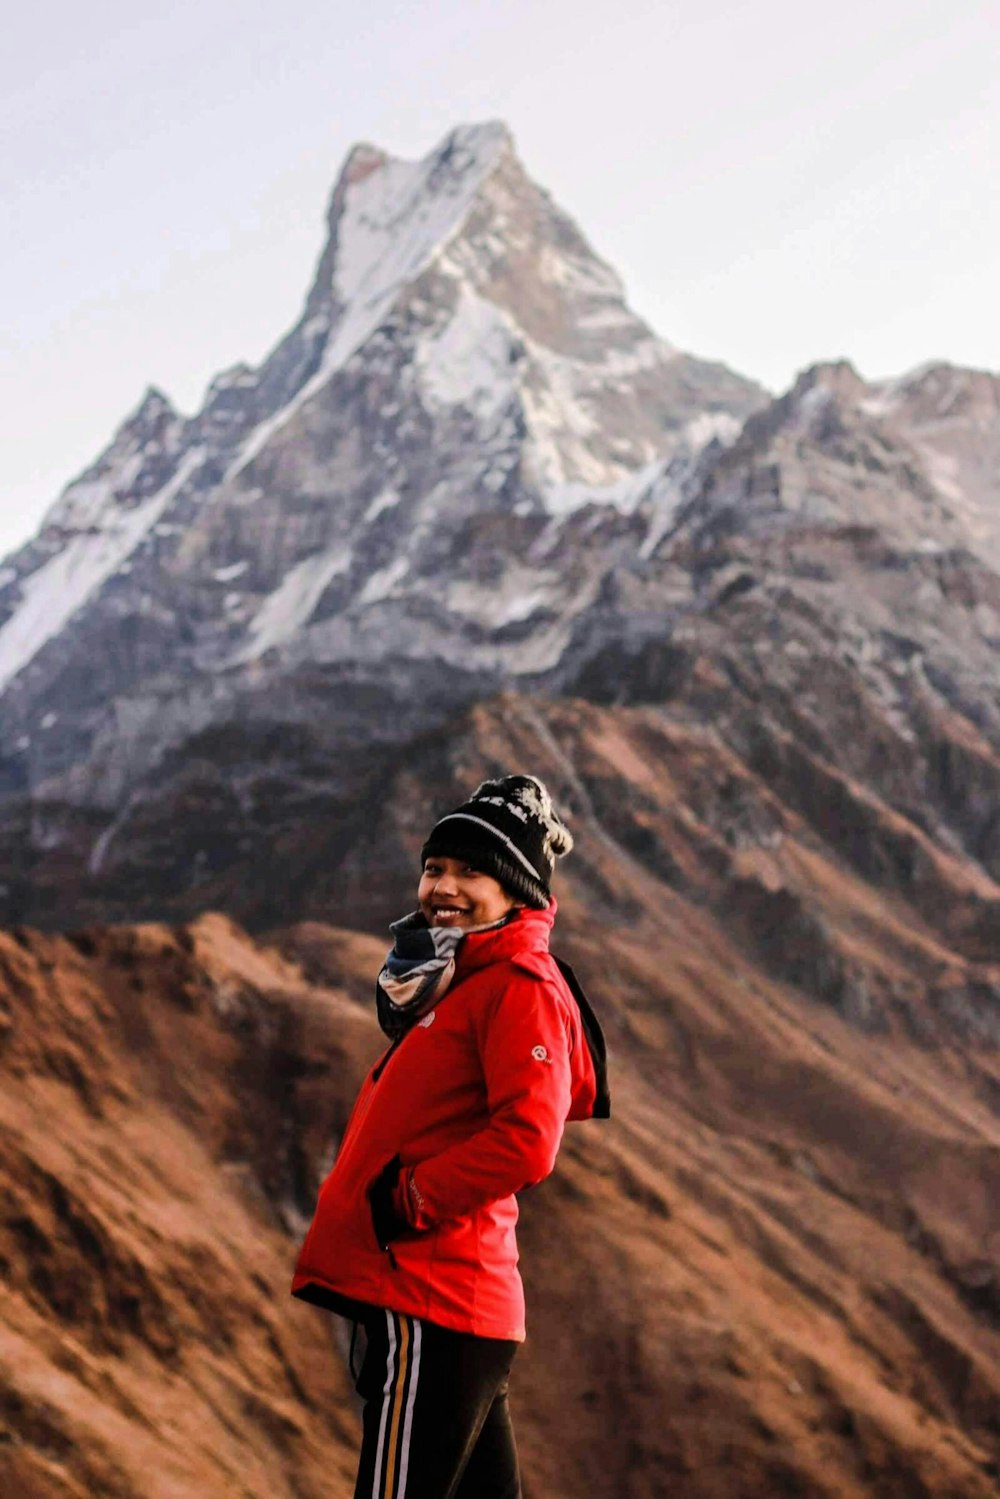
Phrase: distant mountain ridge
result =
(468, 467)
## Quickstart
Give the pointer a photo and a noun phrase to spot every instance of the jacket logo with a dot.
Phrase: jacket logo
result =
(540, 1054)
(428, 1019)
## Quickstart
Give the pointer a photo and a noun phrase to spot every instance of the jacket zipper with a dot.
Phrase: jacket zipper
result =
(377, 1072)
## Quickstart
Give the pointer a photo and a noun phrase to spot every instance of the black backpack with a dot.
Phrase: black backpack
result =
(594, 1036)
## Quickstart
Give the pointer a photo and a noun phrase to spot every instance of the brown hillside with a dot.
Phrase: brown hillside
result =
(147, 1347)
(774, 1271)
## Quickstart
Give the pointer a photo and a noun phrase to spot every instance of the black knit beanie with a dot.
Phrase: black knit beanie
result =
(509, 829)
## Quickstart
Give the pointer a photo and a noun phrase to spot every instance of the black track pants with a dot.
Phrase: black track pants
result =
(436, 1421)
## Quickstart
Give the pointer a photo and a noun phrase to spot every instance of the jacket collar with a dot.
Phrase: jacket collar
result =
(527, 931)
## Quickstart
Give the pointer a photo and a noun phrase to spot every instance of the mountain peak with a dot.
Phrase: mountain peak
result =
(938, 390)
(155, 401)
(463, 355)
(838, 377)
(507, 314)
(362, 160)
(388, 215)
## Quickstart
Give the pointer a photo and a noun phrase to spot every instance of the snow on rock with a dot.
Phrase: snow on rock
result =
(562, 398)
(813, 407)
(625, 495)
(607, 317)
(83, 505)
(665, 496)
(559, 432)
(231, 573)
(386, 499)
(291, 605)
(948, 415)
(888, 395)
(544, 649)
(239, 377)
(63, 584)
(589, 276)
(943, 472)
(519, 594)
(480, 360)
(152, 431)
(709, 425)
(468, 362)
(381, 583)
(395, 217)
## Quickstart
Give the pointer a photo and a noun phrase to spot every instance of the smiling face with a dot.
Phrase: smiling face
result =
(452, 893)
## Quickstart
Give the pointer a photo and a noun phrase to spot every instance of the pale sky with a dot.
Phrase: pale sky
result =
(777, 183)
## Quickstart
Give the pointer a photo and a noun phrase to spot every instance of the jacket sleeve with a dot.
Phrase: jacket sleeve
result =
(524, 1041)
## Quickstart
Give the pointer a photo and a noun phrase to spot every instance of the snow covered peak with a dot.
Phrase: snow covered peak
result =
(389, 220)
(388, 216)
(393, 215)
(465, 142)
(463, 357)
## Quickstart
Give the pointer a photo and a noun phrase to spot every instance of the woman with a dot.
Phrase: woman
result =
(492, 1048)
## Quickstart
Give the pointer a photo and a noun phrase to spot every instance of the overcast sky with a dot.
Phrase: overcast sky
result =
(776, 182)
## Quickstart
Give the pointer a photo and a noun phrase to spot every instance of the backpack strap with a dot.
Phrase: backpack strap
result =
(594, 1037)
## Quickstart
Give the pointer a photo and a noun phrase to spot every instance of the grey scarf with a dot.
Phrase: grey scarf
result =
(418, 969)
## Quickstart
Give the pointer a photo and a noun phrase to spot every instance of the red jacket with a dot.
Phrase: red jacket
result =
(474, 1098)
